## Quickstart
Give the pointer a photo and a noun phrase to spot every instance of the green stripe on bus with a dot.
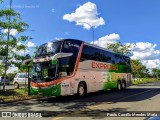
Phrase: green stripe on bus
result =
(54, 91)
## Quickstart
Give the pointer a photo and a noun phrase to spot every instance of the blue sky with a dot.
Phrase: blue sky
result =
(127, 21)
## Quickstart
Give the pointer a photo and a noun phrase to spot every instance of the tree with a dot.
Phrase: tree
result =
(118, 47)
(20, 65)
(9, 50)
(156, 72)
(138, 69)
(1, 69)
(35, 50)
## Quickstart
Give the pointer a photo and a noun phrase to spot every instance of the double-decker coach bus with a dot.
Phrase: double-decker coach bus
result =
(68, 67)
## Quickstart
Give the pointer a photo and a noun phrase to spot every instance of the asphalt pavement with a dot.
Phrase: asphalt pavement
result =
(10, 87)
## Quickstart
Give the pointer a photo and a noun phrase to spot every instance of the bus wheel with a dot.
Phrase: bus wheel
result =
(16, 85)
(123, 85)
(119, 86)
(81, 90)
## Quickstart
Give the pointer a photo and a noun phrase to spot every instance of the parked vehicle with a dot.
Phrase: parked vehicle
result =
(20, 79)
(7, 81)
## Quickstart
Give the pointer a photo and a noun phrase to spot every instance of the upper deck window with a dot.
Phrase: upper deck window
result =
(48, 49)
(70, 46)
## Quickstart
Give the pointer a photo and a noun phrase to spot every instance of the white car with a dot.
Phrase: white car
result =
(20, 79)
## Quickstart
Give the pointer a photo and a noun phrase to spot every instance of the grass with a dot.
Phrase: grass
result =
(15, 95)
(144, 81)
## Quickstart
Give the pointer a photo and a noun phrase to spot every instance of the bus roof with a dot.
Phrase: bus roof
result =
(92, 45)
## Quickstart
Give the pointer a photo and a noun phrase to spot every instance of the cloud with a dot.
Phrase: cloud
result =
(12, 31)
(103, 41)
(53, 10)
(144, 46)
(150, 64)
(66, 33)
(84, 15)
(144, 51)
(12, 69)
(30, 44)
(20, 52)
(58, 38)
(19, 43)
(23, 52)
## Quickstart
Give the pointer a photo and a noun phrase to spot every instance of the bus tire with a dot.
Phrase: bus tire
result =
(123, 84)
(119, 86)
(81, 89)
(16, 85)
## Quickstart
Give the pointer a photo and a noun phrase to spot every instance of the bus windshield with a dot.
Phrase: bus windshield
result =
(44, 72)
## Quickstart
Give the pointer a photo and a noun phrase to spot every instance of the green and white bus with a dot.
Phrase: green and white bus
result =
(68, 67)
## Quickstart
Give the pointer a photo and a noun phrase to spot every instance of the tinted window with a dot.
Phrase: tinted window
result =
(107, 56)
(25, 76)
(122, 60)
(67, 64)
(91, 53)
(49, 48)
(86, 53)
(70, 46)
(20, 76)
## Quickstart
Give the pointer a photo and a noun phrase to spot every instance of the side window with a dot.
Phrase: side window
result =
(113, 59)
(71, 47)
(41, 50)
(127, 60)
(86, 53)
(67, 64)
(122, 60)
(25, 76)
(16, 76)
(95, 54)
(117, 59)
(20, 76)
(106, 56)
(91, 53)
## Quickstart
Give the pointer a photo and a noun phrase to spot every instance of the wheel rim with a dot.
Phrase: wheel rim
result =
(81, 91)
(16, 85)
(119, 86)
(123, 85)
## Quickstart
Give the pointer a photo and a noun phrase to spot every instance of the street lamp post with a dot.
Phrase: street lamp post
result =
(91, 28)
(157, 68)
